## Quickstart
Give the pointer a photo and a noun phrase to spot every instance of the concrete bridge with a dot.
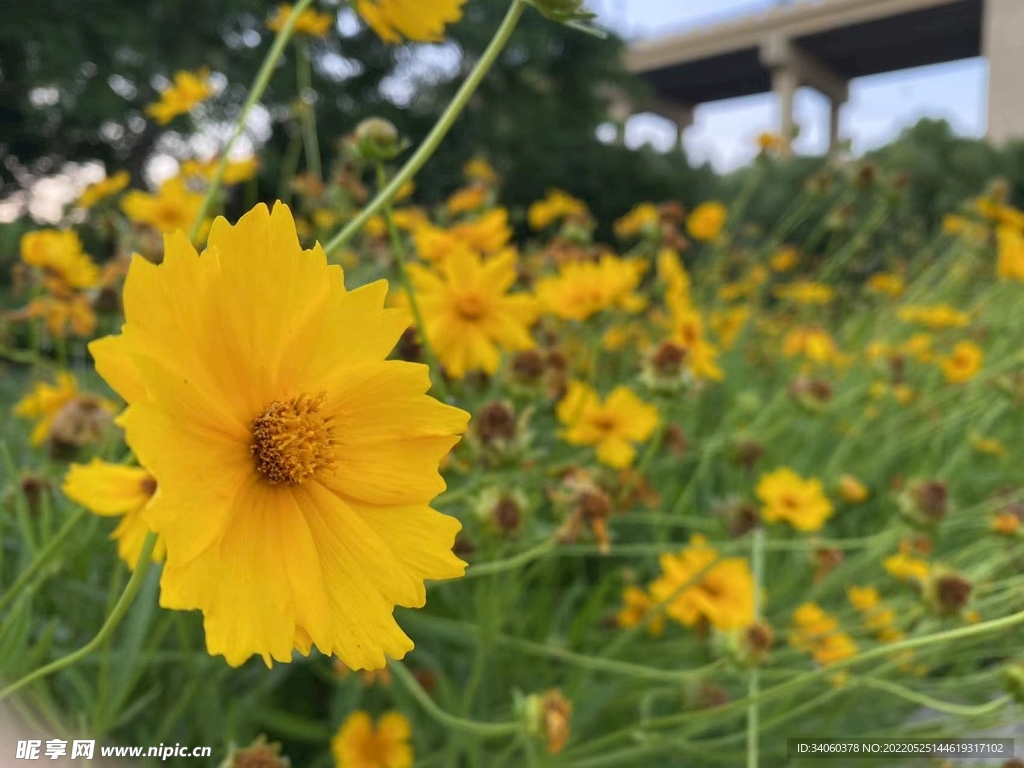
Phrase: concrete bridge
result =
(826, 43)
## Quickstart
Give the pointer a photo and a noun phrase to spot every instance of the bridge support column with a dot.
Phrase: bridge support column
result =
(785, 82)
(833, 125)
(1003, 46)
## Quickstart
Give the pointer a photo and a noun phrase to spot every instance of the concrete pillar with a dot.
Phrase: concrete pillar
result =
(785, 81)
(1003, 45)
(833, 125)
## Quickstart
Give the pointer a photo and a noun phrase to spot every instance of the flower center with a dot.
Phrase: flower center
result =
(291, 441)
(470, 307)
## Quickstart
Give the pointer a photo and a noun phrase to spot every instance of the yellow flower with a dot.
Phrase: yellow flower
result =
(784, 259)
(478, 169)
(720, 591)
(964, 362)
(728, 323)
(906, 567)
(174, 207)
(103, 189)
(358, 744)
(1006, 523)
(787, 496)
(1010, 264)
(852, 489)
(934, 316)
(805, 292)
(863, 598)
(434, 243)
(419, 20)
(835, 647)
(643, 218)
(557, 205)
(701, 356)
(580, 289)
(611, 426)
(468, 314)
(815, 344)
(988, 446)
(46, 401)
(817, 632)
(677, 280)
(310, 22)
(60, 313)
(887, 284)
(486, 234)
(235, 172)
(188, 90)
(636, 605)
(295, 463)
(59, 254)
(771, 142)
(467, 199)
(116, 490)
(706, 221)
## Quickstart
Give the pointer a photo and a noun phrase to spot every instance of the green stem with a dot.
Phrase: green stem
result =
(255, 92)
(438, 132)
(44, 557)
(304, 76)
(958, 710)
(403, 274)
(484, 730)
(511, 563)
(120, 609)
(754, 679)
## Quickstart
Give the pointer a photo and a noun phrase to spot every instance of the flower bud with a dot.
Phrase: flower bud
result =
(259, 754)
(377, 139)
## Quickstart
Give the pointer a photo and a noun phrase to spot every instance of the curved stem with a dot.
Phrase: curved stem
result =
(438, 132)
(959, 710)
(255, 92)
(120, 609)
(403, 273)
(26, 576)
(511, 563)
(484, 730)
(754, 679)
(304, 75)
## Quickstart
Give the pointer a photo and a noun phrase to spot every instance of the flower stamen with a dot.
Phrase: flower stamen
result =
(291, 441)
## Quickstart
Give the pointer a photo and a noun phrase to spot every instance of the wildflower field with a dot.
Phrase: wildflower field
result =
(352, 480)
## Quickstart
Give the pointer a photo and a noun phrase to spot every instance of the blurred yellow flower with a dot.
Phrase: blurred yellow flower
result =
(728, 323)
(478, 169)
(295, 462)
(486, 234)
(469, 314)
(111, 185)
(987, 446)
(580, 289)
(852, 490)
(467, 199)
(59, 254)
(188, 90)
(360, 744)
(887, 284)
(812, 343)
(784, 259)
(636, 605)
(1010, 244)
(115, 490)
(697, 585)
(174, 207)
(555, 206)
(687, 330)
(61, 314)
(964, 363)
(310, 22)
(934, 316)
(643, 218)
(706, 221)
(863, 598)
(418, 20)
(817, 632)
(805, 292)
(45, 402)
(906, 567)
(612, 426)
(787, 496)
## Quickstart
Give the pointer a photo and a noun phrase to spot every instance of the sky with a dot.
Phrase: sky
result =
(723, 132)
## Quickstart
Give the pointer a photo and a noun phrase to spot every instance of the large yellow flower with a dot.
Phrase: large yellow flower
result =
(116, 490)
(187, 90)
(787, 496)
(468, 313)
(174, 207)
(419, 20)
(358, 744)
(612, 426)
(295, 464)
